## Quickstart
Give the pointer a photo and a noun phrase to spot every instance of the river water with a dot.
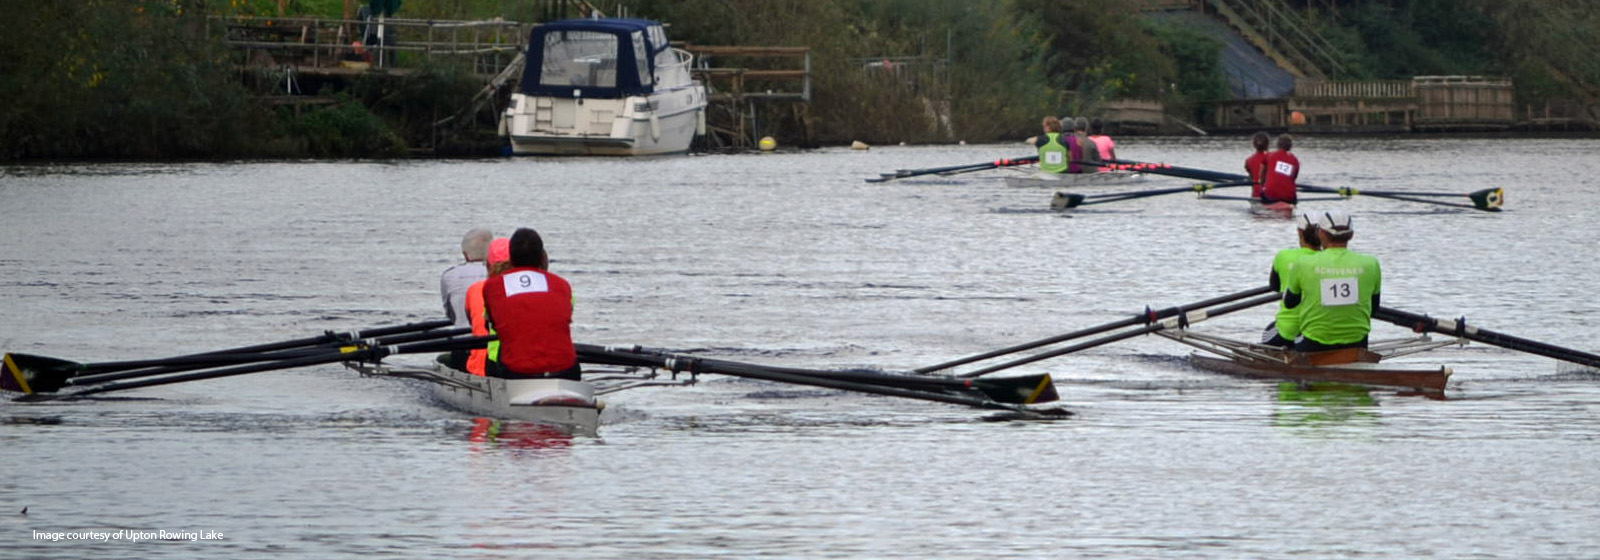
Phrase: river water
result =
(792, 259)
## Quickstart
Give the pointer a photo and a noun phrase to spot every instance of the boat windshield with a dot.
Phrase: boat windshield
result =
(640, 56)
(581, 59)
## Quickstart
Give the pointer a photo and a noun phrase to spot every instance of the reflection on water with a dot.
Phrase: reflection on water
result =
(1313, 404)
(489, 433)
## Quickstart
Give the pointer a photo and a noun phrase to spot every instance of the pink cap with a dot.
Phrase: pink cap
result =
(499, 250)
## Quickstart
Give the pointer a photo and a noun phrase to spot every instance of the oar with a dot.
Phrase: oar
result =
(595, 354)
(30, 373)
(1488, 200)
(1063, 201)
(348, 353)
(1459, 327)
(325, 337)
(1003, 162)
(1022, 389)
(1181, 321)
(203, 362)
(1145, 318)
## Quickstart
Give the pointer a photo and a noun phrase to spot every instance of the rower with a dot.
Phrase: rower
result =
(1335, 289)
(499, 261)
(1053, 150)
(1256, 165)
(1283, 330)
(1281, 171)
(453, 284)
(1104, 145)
(530, 310)
(1085, 151)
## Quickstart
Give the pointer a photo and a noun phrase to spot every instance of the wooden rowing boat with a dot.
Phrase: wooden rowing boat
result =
(1350, 365)
(571, 407)
(1069, 180)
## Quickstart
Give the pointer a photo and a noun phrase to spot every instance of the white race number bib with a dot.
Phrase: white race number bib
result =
(525, 282)
(1337, 292)
(1054, 158)
(1284, 168)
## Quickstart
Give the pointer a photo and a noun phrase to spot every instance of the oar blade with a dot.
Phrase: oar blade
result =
(1488, 199)
(27, 373)
(1023, 389)
(1063, 201)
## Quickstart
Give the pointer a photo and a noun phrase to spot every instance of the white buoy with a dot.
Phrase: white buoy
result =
(767, 144)
(859, 145)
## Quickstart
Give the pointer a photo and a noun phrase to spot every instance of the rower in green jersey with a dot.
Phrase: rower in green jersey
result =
(1335, 289)
(1286, 326)
(1054, 152)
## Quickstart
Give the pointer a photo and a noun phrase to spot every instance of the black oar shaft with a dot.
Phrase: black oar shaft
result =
(329, 336)
(1456, 327)
(1146, 317)
(204, 361)
(595, 354)
(1162, 325)
(341, 355)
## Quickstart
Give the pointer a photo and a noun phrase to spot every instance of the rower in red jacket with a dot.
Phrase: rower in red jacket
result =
(530, 310)
(1256, 164)
(1281, 171)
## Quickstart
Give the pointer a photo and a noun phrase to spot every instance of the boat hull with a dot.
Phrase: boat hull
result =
(662, 123)
(567, 405)
(1314, 368)
(1272, 209)
(1068, 180)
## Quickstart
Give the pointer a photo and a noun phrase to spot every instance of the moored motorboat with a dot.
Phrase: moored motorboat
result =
(1356, 366)
(611, 86)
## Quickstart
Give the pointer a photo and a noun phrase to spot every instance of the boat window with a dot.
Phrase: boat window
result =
(658, 37)
(579, 58)
(643, 58)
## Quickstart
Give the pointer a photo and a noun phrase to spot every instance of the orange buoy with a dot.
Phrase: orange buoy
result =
(1297, 118)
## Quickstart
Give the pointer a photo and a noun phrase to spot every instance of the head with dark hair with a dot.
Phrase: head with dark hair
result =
(527, 249)
(1261, 141)
(1080, 124)
(1097, 126)
(1285, 142)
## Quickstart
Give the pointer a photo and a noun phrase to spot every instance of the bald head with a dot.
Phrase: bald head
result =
(475, 244)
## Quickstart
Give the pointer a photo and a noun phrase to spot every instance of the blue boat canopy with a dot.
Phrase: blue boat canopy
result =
(602, 58)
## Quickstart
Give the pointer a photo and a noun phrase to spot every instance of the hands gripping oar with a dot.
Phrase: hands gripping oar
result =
(954, 169)
(1149, 319)
(1488, 200)
(1459, 327)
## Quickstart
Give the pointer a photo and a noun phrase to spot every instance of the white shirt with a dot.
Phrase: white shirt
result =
(453, 286)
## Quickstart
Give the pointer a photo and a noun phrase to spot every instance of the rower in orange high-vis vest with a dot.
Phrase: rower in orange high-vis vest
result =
(530, 310)
(498, 261)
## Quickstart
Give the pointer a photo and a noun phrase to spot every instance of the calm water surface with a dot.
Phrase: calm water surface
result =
(791, 259)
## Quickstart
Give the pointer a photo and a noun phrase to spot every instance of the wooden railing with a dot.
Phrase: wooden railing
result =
(1384, 89)
(313, 42)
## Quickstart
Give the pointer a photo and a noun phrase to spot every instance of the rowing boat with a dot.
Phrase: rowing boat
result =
(1069, 180)
(1358, 366)
(572, 407)
(1271, 209)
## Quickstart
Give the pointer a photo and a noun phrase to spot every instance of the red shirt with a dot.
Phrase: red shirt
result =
(1282, 169)
(1256, 166)
(531, 311)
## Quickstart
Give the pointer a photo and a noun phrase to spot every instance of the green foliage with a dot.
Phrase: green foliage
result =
(346, 129)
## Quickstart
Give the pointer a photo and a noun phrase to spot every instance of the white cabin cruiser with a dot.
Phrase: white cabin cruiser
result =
(609, 86)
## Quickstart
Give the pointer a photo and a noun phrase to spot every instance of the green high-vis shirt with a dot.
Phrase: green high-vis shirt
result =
(1336, 288)
(1288, 320)
(1053, 154)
